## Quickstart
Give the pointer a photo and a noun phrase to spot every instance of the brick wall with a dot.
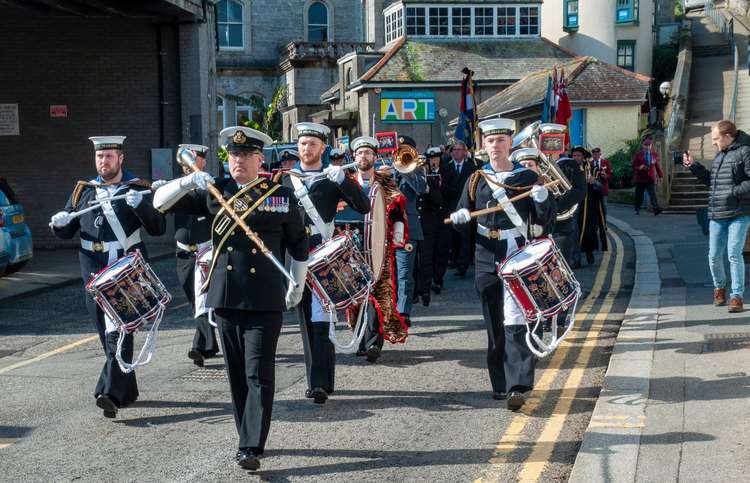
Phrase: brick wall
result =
(107, 73)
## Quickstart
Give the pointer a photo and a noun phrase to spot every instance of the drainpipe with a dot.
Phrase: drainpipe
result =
(161, 62)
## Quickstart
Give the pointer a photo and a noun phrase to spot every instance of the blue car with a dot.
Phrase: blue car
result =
(15, 235)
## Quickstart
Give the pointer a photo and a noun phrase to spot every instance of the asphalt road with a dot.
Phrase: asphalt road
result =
(422, 413)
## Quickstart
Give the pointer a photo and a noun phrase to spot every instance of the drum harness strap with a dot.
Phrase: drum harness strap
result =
(508, 207)
(228, 233)
(303, 195)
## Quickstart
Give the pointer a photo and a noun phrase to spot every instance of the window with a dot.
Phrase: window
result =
(317, 22)
(438, 21)
(229, 23)
(571, 14)
(528, 21)
(483, 21)
(506, 21)
(626, 11)
(461, 17)
(394, 27)
(220, 123)
(626, 54)
(249, 109)
(416, 21)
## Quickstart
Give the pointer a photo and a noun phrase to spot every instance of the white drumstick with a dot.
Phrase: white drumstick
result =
(119, 197)
(97, 204)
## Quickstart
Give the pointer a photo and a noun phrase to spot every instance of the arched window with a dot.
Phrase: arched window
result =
(317, 22)
(348, 76)
(249, 109)
(220, 119)
(229, 20)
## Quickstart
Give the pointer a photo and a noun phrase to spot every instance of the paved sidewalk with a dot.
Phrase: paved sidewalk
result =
(673, 406)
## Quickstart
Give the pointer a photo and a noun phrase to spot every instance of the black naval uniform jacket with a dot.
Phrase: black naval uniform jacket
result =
(326, 195)
(192, 230)
(491, 251)
(576, 194)
(241, 277)
(94, 226)
(431, 207)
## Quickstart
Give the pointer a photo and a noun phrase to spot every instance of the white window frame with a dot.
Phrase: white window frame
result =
(329, 19)
(221, 108)
(235, 48)
(248, 108)
(393, 32)
(424, 20)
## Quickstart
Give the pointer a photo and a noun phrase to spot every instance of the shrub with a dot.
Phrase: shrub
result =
(622, 168)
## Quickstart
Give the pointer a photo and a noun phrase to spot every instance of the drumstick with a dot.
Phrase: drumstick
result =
(493, 209)
(98, 204)
(187, 159)
(118, 197)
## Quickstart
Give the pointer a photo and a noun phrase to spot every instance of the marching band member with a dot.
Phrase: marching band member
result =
(566, 231)
(337, 157)
(107, 234)
(319, 198)
(509, 360)
(192, 236)
(384, 321)
(591, 218)
(434, 230)
(244, 288)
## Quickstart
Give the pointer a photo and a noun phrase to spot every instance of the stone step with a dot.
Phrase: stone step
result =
(680, 210)
(712, 51)
(701, 196)
(688, 202)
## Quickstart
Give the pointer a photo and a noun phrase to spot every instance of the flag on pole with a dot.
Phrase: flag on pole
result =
(564, 108)
(547, 109)
(467, 117)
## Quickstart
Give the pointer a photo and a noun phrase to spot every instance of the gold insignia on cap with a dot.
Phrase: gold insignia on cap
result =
(401, 139)
(264, 186)
(239, 138)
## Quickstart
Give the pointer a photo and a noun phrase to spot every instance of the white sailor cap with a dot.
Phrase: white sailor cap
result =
(497, 126)
(241, 138)
(107, 142)
(433, 151)
(336, 153)
(552, 128)
(525, 153)
(288, 154)
(199, 149)
(312, 129)
(365, 142)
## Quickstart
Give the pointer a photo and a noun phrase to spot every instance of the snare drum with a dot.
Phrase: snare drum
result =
(338, 273)
(539, 280)
(129, 292)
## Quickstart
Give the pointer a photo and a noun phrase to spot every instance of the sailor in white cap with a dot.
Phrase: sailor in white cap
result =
(106, 234)
(247, 293)
(319, 190)
(337, 156)
(509, 359)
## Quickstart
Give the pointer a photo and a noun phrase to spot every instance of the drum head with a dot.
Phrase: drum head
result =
(526, 256)
(376, 227)
(328, 248)
(114, 270)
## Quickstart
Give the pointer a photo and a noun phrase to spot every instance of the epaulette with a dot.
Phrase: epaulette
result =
(473, 183)
(277, 177)
(78, 191)
(140, 182)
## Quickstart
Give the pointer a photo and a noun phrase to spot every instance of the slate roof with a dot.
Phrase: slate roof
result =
(587, 80)
(437, 60)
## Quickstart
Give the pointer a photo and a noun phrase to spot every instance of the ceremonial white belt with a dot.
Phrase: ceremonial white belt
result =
(498, 234)
(193, 247)
(101, 246)
(314, 230)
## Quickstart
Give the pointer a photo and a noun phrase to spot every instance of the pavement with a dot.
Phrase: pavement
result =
(673, 406)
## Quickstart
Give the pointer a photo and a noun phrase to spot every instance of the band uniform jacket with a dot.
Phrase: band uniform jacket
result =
(326, 195)
(491, 251)
(412, 187)
(575, 195)
(240, 276)
(95, 227)
(454, 182)
(430, 206)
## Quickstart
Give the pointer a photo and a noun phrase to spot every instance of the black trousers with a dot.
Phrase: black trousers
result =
(425, 266)
(509, 361)
(442, 251)
(249, 339)
(204, 339)
(372, 336)
(460, 244)
(648, 187)
(320, 354)
(120, 387)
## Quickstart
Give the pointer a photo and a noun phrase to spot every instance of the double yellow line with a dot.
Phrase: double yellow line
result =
(542, 449)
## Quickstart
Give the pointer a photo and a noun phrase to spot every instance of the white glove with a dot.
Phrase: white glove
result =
(102, 195)
(133, 198)
(294, 294)
(60, 219)
(460, 216)
(158, 184)
(335, 174)
(398, 233)
(500, 194)
(196, 181)
(539, 193)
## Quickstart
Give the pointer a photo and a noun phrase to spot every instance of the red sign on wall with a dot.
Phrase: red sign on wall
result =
(60, 110)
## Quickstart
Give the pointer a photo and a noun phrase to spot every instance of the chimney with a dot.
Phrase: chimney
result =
(374, 26)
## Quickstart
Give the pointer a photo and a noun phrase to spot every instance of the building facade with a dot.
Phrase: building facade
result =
(75, 69)
(619, 32)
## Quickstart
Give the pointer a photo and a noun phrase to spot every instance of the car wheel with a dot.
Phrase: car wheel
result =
(13, 268)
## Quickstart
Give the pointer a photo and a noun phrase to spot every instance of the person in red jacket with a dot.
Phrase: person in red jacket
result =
(604, 170)
(645, 171)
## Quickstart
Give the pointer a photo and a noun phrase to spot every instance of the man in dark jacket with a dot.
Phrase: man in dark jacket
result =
(728, 208)
(458, 170)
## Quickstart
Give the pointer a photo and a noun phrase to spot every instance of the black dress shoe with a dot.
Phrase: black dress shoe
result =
(247, 460)
(196, 356)
(361, 353)
(515, 400)
(308, 393)
(407, 320)
(319, 395)
(437, 288)
(373, 352)
(107, 405)
(426, 299)
(415, 299)
(658, 211)
(499, 396)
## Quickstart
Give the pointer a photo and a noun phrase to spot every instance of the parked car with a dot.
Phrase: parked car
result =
(16, 236)
(693, 4)
(4, 256)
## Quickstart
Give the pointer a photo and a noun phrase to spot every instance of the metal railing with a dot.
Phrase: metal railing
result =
(727, 29)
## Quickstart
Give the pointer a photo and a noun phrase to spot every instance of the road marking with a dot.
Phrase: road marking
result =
(5, 442)
(51, 353)
(544, 446)
(512, 435)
